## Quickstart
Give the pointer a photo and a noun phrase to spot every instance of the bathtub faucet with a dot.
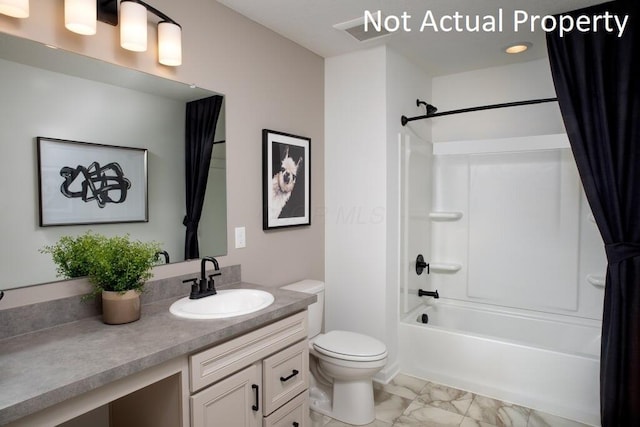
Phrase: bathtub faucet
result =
(434, 294)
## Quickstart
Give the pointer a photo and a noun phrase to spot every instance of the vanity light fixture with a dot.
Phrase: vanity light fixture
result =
(133, 32)
(15, 8)
(81, 17)
(517, 47)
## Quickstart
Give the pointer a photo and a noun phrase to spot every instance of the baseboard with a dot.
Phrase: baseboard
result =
(387, 373)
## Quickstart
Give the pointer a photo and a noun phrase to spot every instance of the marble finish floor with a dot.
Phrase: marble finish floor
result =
(408, 401)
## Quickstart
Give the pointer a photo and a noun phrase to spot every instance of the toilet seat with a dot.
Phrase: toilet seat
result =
(350, 346)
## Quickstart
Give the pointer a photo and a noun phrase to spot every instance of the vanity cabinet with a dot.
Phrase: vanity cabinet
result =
(260, 378)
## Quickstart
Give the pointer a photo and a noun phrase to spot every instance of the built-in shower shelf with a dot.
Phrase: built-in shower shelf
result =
(595, 280)
(440, 267)
(445, 216)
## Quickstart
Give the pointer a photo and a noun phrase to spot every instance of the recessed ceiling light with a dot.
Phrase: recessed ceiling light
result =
(518, 47)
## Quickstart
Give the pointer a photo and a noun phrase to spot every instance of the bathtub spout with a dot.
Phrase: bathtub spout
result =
(434, 294)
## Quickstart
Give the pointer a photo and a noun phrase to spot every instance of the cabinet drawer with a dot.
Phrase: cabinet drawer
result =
(222, 360)
(285, 375)
(294, 413)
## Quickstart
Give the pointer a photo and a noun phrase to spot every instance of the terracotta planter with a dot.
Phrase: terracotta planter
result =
(120, 308)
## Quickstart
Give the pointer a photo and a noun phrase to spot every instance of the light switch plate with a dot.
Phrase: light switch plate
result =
(241, 238)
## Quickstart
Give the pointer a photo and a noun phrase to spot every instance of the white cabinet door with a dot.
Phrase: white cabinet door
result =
(235, 401)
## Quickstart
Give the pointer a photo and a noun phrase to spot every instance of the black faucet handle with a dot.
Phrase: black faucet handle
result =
(194, 286)
(421, 265)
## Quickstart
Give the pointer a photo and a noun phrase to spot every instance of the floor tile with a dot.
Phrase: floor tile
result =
(389, 406)
(427, 416)
(318, 419)
(375, 423)
(403, 385)
(470, 422)
(498, 413)
(447, 398)
(540, 419)
(409, 401)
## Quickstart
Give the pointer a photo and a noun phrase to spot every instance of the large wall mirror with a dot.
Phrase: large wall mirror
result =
(48, 92)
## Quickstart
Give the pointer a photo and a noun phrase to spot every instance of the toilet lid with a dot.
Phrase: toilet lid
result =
(350, 346)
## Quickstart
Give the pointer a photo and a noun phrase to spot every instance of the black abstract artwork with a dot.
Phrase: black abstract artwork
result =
(106, 184)
(86, 183)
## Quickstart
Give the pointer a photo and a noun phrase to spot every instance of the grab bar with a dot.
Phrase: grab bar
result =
(445, 216)
(445, 268)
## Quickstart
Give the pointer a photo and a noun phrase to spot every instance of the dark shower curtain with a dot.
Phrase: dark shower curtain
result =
(597, 79)
(201, 121)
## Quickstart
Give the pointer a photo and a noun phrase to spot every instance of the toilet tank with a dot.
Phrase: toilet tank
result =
(316, 310)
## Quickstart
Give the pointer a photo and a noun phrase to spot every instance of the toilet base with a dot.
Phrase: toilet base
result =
(351, 403)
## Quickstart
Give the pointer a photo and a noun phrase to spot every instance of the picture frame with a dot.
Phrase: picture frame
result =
(286, 180)
(87, 183)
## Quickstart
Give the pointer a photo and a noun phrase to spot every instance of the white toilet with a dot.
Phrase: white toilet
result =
(342, 365)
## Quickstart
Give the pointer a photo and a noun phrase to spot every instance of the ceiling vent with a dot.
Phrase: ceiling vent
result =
(355, 28)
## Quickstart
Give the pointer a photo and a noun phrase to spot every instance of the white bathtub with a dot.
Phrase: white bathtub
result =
(549, 363)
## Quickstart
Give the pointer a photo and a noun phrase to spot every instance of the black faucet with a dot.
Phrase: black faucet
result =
(206, 286)
(434, 294)
(165, 254)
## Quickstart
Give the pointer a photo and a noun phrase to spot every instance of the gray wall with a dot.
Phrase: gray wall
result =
(269, 82)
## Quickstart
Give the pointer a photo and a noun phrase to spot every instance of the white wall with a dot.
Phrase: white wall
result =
(518, 82)
(356, 192)
(366, 92)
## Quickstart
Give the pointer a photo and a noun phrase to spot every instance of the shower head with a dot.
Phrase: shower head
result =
(431, 111)
(430, 108)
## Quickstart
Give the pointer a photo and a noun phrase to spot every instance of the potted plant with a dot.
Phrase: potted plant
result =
(117, 268)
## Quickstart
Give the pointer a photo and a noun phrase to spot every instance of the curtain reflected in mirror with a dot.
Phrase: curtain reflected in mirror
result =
(200, 125)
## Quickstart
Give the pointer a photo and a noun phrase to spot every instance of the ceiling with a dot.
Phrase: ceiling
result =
(310, 23)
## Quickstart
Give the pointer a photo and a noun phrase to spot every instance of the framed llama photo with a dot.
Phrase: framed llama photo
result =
(84, 183)
(286, 180)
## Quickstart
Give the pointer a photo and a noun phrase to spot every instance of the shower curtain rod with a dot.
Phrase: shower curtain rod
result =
(431, 110)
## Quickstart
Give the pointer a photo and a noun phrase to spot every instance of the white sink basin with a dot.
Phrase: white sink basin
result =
(226, 303)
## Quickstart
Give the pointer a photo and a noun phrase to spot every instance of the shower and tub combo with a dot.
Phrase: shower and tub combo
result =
(541, 363)
(516, 260)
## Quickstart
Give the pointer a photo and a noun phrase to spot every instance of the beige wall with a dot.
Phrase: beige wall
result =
(269, 82)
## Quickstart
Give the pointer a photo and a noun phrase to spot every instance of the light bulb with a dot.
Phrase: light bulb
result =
(133, 26)
(80, 16)
(15, 8)
(169, 44)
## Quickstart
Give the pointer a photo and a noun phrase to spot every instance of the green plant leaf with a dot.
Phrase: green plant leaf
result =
(112, 263)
